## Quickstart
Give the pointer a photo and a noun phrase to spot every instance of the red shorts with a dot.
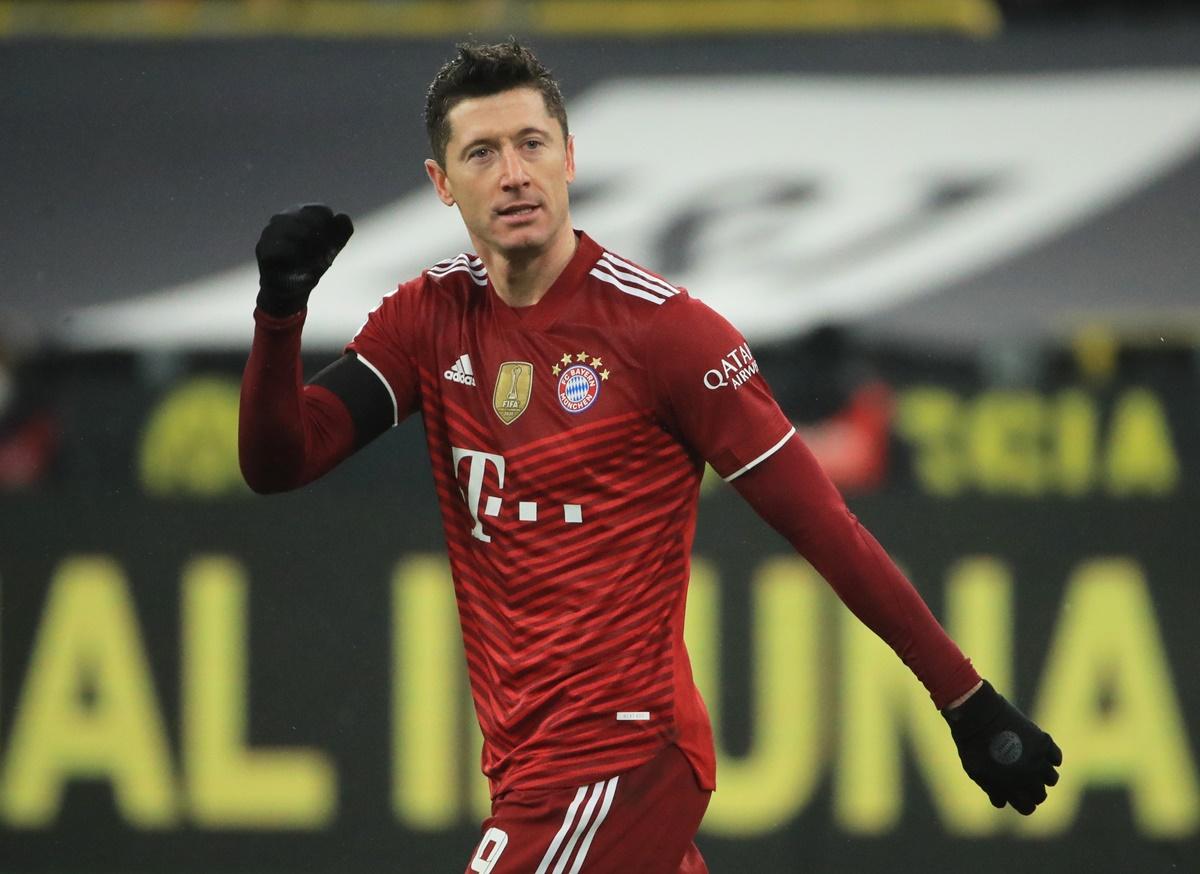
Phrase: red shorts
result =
(639, 822)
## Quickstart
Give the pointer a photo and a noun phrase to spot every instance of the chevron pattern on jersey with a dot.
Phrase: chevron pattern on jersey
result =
(567, 623)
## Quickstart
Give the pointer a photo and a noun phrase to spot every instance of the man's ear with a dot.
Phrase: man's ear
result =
(571, 158)
(441, 184)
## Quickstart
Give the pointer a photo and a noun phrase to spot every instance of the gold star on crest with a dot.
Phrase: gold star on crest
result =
(595, 362)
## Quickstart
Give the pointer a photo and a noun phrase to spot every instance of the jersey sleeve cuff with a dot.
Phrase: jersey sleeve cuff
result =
(279, 324)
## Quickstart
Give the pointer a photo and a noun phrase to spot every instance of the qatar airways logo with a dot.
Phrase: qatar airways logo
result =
(479, 504)
(735, 368)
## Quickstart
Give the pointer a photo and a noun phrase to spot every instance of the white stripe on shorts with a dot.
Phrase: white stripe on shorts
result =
(609, 791)
(558, 838)
(593, 797)
(559, 855)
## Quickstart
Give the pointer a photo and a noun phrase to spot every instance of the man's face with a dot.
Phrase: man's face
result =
(507, 168)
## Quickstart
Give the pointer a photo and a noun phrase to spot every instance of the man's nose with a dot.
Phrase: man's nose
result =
(512, 170)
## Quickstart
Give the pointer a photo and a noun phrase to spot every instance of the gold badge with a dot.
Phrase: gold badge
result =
(514, 383)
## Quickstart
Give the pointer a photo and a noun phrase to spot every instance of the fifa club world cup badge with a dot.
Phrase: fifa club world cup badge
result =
(514, 383)
(579, 379)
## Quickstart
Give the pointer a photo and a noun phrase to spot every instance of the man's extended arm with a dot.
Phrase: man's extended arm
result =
(1010, 758)
(792, 494)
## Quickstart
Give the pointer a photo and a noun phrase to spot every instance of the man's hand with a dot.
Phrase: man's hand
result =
(1003, 751)
(294, 251)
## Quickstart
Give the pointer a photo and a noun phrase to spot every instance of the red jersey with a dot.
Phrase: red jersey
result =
(568, 440)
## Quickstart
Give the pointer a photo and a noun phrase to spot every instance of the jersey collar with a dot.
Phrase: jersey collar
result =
(558, 297)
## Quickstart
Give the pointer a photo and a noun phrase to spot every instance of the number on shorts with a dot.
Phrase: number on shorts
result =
(487, 856)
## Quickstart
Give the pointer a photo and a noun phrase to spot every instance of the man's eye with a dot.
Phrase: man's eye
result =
(533, 144)
(481, 152)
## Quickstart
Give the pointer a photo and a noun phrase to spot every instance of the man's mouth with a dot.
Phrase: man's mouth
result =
(518, 209)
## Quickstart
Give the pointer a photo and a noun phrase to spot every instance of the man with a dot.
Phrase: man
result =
(571, 399)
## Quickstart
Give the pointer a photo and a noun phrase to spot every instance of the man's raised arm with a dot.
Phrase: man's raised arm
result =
(290, 433)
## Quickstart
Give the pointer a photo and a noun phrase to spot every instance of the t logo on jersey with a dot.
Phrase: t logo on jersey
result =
(478, 462)
(514, 383)
(527, 511)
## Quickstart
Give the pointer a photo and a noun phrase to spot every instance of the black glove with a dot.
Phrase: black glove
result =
(294, 251)
(1003, 751)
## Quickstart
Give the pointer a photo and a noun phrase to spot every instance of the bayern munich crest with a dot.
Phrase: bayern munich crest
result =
(579, 379)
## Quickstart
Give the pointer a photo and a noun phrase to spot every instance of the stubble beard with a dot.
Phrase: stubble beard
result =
(527, 244)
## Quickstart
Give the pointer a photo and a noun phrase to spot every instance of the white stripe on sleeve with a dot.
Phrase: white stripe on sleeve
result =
(621, 286)
(762, 457)
(632, 279)
(667, 288)
(391, 394)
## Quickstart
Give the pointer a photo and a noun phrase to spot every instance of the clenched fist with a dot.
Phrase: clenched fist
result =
(294, 251)
(1002, 750)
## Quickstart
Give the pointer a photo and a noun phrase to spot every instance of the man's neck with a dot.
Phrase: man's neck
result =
(523, 281)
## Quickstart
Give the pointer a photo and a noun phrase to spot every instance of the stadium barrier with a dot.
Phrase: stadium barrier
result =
(189, 672)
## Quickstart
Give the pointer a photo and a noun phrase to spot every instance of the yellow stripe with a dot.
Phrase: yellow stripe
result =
(153, 19)
(228, 18)
(668, 17)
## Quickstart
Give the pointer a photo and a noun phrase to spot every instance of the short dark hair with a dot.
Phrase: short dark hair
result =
(482, 70)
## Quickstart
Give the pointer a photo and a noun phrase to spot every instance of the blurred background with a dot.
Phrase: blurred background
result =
(960, 236)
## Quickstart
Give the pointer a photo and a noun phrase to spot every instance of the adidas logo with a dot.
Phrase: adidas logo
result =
(460, 371)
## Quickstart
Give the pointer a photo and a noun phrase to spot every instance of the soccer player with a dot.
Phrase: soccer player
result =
(570, 399)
